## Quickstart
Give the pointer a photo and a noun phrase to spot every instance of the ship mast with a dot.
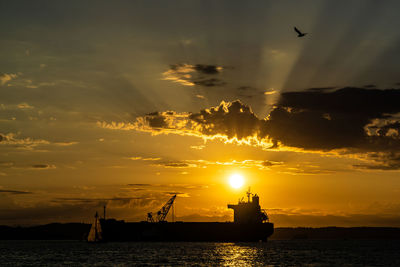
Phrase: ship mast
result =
(248, 193)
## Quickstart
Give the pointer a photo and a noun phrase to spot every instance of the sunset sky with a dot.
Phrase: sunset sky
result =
(127, 102)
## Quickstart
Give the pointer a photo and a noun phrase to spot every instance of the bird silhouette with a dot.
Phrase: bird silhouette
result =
(299, 33)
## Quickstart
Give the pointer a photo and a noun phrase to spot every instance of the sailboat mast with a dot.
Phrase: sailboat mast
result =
(96, 237)
(173, 212)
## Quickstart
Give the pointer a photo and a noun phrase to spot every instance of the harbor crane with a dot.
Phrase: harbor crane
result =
(162, 213)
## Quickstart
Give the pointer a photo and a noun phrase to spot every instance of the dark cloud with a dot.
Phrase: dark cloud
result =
(269, 163)
(370, 86)
(381, 161)
(14, 192)
(207, 69)
(156, 120)
(355, 119)
(199, 74)
(349, 100)
(310, 129)
(209, 82)
(382, 166)
(40, 166)
(43, 166)
(230, 119)
(178, 164)
(333, 120)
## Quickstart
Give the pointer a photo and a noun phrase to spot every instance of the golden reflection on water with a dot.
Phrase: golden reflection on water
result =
(237, 254)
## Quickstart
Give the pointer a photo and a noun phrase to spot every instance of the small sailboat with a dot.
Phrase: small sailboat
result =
(95, 234)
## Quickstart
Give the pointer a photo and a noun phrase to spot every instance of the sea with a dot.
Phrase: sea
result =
(271, 253)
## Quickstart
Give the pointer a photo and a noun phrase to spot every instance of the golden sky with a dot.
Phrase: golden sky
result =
(129, 102)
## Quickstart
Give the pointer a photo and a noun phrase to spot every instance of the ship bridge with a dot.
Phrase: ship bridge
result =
(250, 211)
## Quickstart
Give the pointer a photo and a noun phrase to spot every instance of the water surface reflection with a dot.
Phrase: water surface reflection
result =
(271, 253)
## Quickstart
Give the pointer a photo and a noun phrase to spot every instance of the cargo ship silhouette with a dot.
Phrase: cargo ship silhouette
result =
(250, 224)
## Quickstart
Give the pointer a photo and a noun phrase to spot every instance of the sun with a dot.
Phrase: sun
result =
(236, 180)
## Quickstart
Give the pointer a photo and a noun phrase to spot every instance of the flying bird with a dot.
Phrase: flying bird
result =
(299, 33)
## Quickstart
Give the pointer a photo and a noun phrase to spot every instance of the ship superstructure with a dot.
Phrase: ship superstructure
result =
(250, 211)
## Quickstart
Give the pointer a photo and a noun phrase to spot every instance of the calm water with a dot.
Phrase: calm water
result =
(273, 253)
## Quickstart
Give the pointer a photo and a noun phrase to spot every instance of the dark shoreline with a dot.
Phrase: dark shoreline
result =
(79, 231)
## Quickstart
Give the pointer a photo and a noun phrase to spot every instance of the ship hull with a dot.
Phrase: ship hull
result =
(186, 231)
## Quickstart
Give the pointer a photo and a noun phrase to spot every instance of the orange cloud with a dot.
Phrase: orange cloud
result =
(231, 122)
(6, 77)
(316, 120)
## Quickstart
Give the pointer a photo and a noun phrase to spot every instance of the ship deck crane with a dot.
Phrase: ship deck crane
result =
(163, 212)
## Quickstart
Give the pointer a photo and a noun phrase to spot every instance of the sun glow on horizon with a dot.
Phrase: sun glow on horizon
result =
(236, 180)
